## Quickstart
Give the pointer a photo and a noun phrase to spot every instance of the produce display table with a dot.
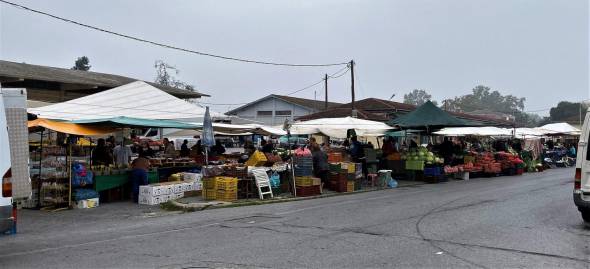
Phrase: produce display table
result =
(165, 172)
(107, 182)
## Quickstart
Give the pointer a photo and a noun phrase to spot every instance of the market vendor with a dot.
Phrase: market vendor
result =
(139, 176)
(101, 155)
(388, 146)
(145, 150)
(356, 149)
(184, 150)
(267, 146)
(169, 149)
(197, 148)
(218, 149)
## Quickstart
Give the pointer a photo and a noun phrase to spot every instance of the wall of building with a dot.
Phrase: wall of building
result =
(268, 112)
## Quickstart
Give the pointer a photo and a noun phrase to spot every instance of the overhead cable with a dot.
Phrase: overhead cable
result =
(166, 45)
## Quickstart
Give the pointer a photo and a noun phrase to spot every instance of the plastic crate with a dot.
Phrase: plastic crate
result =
(209, 194)
(334, 157)
(308, 191)
(226, 195)
(303, 181)
(209, 184)
(350, 186)
(227, 183)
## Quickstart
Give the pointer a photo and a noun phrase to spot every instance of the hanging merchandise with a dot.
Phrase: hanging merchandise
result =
(275, 180)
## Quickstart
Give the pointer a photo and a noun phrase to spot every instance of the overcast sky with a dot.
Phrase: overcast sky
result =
(530, 48)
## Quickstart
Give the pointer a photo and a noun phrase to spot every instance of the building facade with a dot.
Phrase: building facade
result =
(272, 110)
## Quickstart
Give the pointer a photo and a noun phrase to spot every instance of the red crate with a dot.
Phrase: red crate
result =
(308, 191)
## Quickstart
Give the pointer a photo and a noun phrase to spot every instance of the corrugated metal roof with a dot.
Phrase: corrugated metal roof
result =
(61, 75)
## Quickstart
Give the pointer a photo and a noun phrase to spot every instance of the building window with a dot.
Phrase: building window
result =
(283, 113)
(264, 113)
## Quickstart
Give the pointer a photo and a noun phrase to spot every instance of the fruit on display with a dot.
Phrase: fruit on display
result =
(422, 154)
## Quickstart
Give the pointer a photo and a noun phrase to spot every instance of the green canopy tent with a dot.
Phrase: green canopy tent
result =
(121, 122)
(428, 117)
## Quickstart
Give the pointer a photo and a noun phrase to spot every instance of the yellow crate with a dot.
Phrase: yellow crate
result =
(303, 181)
(210, 183)
(316, 181)
(350, 186)
(227, 196)
(257, 159)
(209, 194)
(227, 183)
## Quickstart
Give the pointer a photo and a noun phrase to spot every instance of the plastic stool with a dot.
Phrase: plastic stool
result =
(372, 178)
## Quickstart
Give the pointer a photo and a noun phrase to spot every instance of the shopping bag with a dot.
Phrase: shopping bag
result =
(275, 180)
(391, 183)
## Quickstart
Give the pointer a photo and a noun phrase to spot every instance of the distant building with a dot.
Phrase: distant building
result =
(274, 109)
(53, 84)
(493, 115)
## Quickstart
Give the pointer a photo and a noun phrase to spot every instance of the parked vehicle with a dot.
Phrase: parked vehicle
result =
(7, 216)
(582, 177)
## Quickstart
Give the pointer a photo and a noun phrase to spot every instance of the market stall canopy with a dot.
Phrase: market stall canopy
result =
(338, 127)
(474, 131)
(137, 99)
(429, 116)
(121, 122)
(529, 132)
(559, 128)
(69, 128)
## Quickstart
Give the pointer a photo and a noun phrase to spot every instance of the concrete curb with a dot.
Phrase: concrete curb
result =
(204, 206)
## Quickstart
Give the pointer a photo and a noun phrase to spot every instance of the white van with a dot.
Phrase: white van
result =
(582, 179)
(7, 220)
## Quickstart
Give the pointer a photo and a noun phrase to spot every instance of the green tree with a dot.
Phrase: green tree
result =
(567, 111)
(483, 98)
(418, 97)
(166, 75)
(82, 64)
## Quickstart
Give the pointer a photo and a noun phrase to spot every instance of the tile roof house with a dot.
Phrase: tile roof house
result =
(274, 109)
(384, 110)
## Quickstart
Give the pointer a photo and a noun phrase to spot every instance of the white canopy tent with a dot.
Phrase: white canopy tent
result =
(337, 127)
(474, 131)
(559, 128)
(135, 100)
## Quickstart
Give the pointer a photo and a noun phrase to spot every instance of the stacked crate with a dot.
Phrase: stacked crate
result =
(220, 188)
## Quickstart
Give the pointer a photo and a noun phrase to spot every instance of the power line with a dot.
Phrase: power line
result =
(162, 44)
(320, 81)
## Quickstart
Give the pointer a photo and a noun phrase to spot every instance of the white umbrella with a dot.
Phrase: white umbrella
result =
(337, 127)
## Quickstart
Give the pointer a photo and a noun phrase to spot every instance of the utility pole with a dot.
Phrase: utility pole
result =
(352, 84)
(326, 92)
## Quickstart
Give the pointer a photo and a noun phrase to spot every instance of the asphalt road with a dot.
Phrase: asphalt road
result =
(522, 221)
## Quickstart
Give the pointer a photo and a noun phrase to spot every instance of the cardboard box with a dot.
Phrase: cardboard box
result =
(149, 200)
(192, 176)
(88, 203)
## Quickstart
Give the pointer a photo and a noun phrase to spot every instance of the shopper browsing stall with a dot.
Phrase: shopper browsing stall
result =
(320, 163)
(184, 150)
(139, 176)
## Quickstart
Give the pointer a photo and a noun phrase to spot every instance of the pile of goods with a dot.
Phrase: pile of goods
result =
(345, 176)
(417, 158)
(154, 194)
(172, 162)
(492, 164)
(307, 186)
(257, 159)
(220, 188)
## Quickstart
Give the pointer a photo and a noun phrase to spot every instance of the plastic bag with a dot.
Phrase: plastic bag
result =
(391, 183)
(275, 180)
